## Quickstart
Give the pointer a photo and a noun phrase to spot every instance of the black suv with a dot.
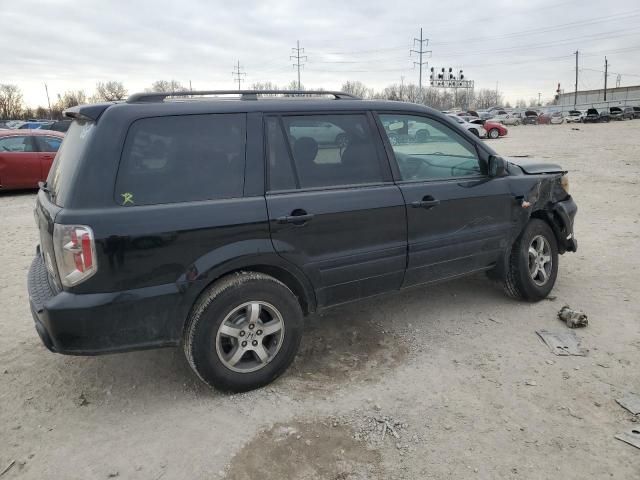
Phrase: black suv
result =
(217, 224)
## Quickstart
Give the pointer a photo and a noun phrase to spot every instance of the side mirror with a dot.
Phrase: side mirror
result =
(497, 166)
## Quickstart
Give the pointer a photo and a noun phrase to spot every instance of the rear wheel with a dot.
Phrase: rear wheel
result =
(533, 264)
(244, 332)
(494, 133)
(342, 140)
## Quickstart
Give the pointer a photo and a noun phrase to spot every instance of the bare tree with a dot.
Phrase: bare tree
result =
(109, 92)
(521, 103)
(11, 103)
(167, 86)
(357, 88)
(70, 98)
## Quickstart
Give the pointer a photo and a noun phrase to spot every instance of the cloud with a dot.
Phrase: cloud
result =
(526, 47)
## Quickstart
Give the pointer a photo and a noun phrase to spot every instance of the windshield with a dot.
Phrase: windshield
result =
(67, 160)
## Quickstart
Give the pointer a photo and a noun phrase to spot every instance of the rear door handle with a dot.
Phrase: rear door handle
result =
(297, 217)
(427, 202)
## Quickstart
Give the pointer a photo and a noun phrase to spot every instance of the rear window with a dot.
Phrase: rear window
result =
(67, 159)
(182, 158)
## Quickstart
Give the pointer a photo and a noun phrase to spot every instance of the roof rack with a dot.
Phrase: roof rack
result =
(151, 97)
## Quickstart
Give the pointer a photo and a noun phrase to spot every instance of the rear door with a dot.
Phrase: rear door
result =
(19, 162)
(458, 217)
(333, 208)
(48, 145)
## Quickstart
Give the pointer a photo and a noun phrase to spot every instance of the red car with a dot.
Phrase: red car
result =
(494, 129)
(26, 157)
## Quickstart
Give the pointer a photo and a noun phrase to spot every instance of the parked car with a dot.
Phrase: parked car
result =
(575, 116)
(595, 116)
(494, 129)
(208, 225)
(507, 119)
(477, 130)
(26, 156)
(34, 125)
(616, 113)
(636, 112)
(556, 118)
(530, 118)
(627, 113)
(60, 126)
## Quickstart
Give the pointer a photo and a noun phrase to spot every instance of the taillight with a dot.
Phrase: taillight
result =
(75, 251)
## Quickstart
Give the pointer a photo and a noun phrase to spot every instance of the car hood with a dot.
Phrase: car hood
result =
(533, 166)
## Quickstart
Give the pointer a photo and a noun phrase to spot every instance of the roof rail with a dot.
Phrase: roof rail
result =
(151, 97)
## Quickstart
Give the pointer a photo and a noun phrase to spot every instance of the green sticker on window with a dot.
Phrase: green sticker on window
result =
(127, 198)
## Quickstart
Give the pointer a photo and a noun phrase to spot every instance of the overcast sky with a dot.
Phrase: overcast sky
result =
(525, 46)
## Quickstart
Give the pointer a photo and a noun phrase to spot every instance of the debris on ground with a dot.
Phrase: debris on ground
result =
(631, 402)
(573, 318)
(573, 128)
(632, 437)
(8, 467)
(82, 401)
(562, 343)
(531, 383)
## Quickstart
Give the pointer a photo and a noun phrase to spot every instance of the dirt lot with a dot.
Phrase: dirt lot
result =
(457, 370)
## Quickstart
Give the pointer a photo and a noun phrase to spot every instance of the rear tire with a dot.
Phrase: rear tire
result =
(231, 349)
(494, 133)
(529, 277)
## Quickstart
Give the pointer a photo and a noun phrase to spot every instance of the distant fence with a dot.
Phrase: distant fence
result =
(599, 105)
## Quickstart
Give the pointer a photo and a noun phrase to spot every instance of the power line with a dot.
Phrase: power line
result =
(237, 75)
(422, 42)
(298, 58)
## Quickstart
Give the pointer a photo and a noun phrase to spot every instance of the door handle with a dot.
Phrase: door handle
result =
(297, 217)
(427, 202)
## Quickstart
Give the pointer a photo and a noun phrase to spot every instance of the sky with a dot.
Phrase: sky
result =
(523, 47)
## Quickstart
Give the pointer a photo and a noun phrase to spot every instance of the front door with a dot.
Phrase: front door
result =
(333, 208)
(458, 217)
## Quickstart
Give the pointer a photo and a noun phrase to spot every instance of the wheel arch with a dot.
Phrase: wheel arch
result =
(271, 265)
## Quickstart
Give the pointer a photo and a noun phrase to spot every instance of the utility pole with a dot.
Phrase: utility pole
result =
(237, 75)
(539, 104)
(575, 96)
(401, 86)
(618, 80)
(298, 58)
(422, 42)
(606, 66)
(496, 93)
(46, 89)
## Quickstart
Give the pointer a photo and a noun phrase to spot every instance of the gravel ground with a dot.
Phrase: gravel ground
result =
(438, 383)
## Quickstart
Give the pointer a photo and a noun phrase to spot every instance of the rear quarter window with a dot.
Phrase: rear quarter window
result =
(185, 158)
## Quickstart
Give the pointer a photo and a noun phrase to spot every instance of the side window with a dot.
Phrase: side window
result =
(49, 144)
(16, 144)
(426, 149)
(182, 158)
(327, 151)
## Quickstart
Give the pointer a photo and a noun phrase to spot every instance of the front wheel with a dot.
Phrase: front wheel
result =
(533, 264)
(243, 332)
(494, 133)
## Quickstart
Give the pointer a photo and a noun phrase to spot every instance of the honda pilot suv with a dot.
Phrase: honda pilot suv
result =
(216, 224)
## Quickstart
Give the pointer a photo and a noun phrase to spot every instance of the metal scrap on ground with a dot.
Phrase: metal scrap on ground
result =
(632, 437)
(562, 343)
(631, 402)
(573, 318)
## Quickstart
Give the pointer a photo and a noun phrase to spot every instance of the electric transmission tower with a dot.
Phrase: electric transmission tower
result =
(298, 58)
(238, 75)
(422, 43)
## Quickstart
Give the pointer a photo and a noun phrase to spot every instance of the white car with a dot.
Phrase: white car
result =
(507, 119)
(477, 130)
(556, 118)
(575, 116)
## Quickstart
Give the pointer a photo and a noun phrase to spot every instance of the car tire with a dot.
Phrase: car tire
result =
(494, 133)
(393, 139)
(223, 316)
(529, 277)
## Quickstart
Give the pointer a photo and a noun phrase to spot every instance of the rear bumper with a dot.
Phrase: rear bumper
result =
(92, 324)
